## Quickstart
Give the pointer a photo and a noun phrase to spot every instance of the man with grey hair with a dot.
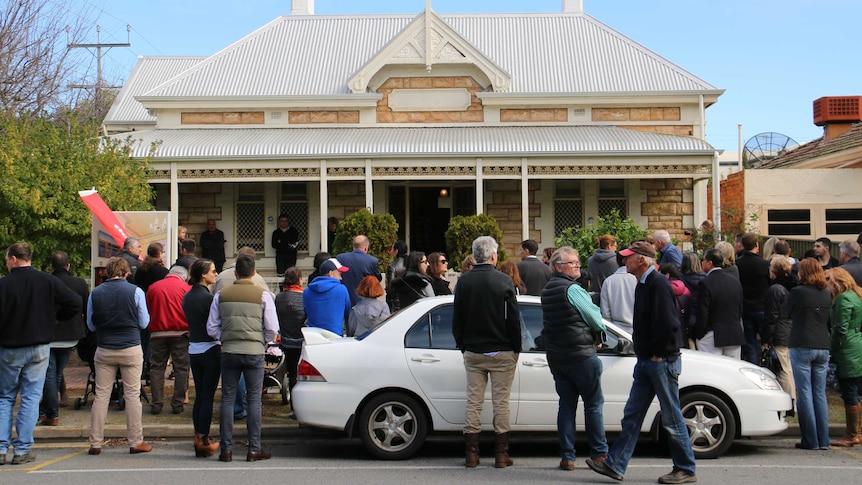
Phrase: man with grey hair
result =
(131, 253)
(169, 337)
(850, 259)
(669, 252)
(486, 327)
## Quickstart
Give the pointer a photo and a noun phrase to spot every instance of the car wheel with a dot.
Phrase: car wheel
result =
(711, 424)
(392, 426)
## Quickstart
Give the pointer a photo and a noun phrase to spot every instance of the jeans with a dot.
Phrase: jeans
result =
(653, 379)
(21, 369)
(809, 374)
(206, 369)
(501, 368)
(250, 367)
(752, 322)
(239, 403)
(50, 405)
(584, 379)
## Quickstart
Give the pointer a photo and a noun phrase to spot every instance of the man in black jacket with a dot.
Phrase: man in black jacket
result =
(718, 325)
(850, 259)
(754, 277)
(486, 327)
(31, 302)
(534, 273)
(66, 336)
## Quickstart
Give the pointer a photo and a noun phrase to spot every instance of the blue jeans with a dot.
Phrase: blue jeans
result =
(809, 373)
(584, 379)
(21, 369)
(250, 367)
(57, 361)
(752, 322)
(653, 379)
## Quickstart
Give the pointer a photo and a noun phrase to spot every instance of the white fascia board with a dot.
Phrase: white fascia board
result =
(621, 98)
(212, 102)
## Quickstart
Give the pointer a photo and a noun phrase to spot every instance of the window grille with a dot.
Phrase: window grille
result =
(568, 213)
(250, 225)
(608, 205)
(297, 215)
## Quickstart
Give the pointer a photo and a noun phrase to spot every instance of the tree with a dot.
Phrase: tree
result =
(42, 168)
(381, 230)
(585, 239)
(463, 230)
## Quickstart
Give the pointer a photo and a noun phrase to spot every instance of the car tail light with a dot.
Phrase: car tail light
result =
(308, 372)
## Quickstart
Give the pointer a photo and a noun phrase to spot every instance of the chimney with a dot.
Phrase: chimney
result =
(573, 6)
(837, 114)
(302, 7)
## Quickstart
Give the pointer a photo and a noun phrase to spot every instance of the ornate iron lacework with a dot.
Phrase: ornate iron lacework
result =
(159, 174)
(502, 170)
(345, 172)
(620, 169)
(423, 171)
(217, 173)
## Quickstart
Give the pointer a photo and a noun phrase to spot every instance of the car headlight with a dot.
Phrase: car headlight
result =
(761, 378)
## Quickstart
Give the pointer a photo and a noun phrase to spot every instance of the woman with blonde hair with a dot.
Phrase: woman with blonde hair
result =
(808, 308)
(776, 330)
(844, 318)
(729, 254)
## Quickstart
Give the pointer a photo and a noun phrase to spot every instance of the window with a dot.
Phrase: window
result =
(844, 221)
(568, 205)
(294, 203)
(432, 331)
(250, 217)
(612, 195)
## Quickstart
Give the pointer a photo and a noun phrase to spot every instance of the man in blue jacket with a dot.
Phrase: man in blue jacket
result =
(361, 264)
(325, 300)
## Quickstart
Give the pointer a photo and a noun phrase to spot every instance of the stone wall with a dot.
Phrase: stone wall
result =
(504, 203)
(318, 117)
(636, 114)
(223, 118)
(198, 205)
(537, 114)
(665, 207)
(473, 114)
(345, 198)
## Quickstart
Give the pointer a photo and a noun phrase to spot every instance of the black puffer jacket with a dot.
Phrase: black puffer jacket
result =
(410, 287)
(567, 337)
(776, 330)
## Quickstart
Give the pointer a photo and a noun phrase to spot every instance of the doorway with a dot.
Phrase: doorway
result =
(429, 219)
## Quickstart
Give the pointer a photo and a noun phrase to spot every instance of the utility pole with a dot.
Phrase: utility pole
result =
(98, 46)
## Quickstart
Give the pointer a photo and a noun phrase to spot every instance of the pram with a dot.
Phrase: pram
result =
(87, 353)
(274, 371)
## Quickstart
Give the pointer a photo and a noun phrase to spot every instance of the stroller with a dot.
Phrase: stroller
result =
(87, 352)
(274, 371)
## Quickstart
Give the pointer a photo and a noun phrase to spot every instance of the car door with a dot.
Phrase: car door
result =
(438, 366)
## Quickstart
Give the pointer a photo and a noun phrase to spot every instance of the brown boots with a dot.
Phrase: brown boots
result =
(471, 443)
(501, 451)
(853, 434)
(203, 446)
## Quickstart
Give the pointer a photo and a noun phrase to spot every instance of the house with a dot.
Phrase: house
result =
(544, 121)
(810, 192)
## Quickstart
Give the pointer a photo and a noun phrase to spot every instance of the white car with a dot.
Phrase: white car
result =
(405, 379)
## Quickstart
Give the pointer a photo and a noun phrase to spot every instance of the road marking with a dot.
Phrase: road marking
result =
(43, 464)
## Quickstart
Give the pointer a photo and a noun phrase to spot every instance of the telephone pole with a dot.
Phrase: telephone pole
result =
(97, 50)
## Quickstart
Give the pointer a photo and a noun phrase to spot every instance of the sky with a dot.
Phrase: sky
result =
(773, 58)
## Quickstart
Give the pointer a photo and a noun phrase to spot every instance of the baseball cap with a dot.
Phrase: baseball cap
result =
(332, 264)
(639, 247)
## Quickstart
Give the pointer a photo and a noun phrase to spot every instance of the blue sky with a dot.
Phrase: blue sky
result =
(773, 58)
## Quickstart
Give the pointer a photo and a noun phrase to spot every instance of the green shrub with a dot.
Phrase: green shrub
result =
(585, 239)
(381, 229)
(463, 230)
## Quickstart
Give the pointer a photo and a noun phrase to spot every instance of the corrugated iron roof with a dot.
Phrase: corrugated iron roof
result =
(818, 148)
(353, 142)
(544, 53)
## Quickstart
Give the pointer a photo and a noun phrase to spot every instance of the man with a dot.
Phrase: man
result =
(822, 246)
(169, 338)
(603, 262)
(186, 256)
(325, 300)
(669, 252)
(212, 245)
(617, 299)
(182, 234)
(285, 238)
(243, 318)
(572, 327)
(720, 308)
(227, 277)
(66, 336)
(31, 302)
(850, 259)
(131, 254)
(534, 273)
(485, 324)
(754, 277)
(656, 344)
(361, 264)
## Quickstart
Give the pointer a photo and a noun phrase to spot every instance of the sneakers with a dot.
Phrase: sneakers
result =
(602, 469)
(25, 458)
(678, 476)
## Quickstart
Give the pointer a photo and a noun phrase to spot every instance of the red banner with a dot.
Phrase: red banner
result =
(105, 215)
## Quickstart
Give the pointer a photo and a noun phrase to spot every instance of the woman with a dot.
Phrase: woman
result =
(729, 255)
(152, 269)
(768, 248)
(369, 311)
(846, 346)
(291, 319)
(117, 312)
(776, 331)
(395, 270)
(468, 264)
(204, 353)
(510, 269)
(438, 265)
(415, 284)
(682, 294)
(808, 308)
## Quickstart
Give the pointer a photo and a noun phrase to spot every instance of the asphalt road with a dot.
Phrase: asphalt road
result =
(324, 458)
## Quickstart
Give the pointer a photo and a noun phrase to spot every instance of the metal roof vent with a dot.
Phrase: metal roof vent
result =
(837, 109)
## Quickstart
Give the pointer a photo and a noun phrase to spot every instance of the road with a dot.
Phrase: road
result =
(325, 459)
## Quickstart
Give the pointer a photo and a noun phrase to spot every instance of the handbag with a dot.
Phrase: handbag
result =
(769, 359)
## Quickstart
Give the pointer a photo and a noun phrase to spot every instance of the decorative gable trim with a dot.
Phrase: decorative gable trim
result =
(429, 40)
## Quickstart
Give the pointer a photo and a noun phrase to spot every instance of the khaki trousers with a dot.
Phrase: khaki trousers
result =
(501, 369)
(130, 362)
(785, 375)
